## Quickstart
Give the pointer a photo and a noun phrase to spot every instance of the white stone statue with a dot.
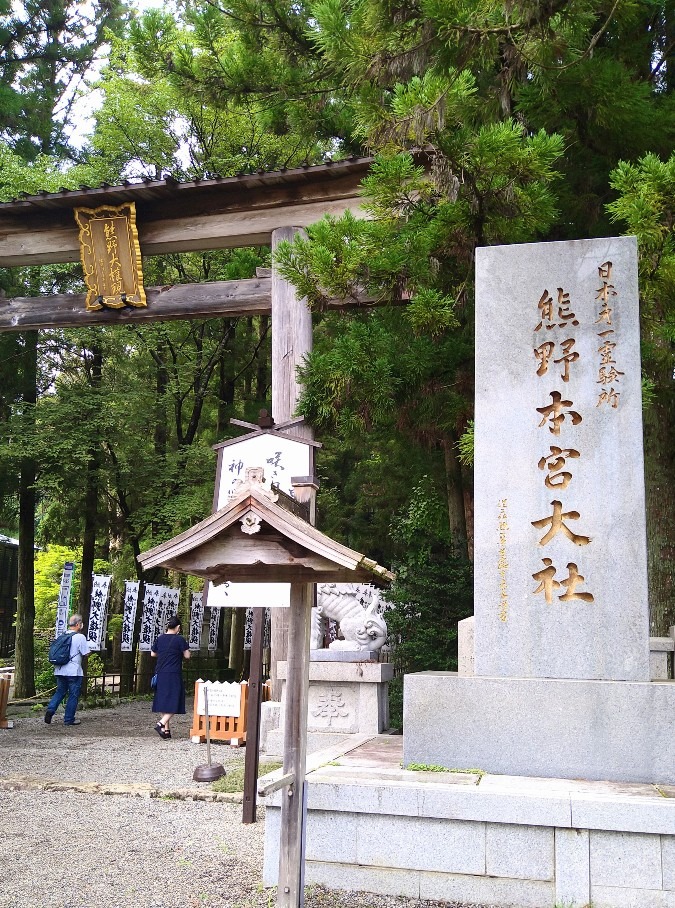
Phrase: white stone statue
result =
(362, 627)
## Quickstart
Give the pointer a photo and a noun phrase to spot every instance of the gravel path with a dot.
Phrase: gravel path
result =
(68, 849)
(74, 849)
(111, 745)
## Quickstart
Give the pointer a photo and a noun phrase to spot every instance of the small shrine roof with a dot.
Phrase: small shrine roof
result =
(253, 539)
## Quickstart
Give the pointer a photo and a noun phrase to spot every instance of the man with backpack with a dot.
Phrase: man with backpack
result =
(68, 673)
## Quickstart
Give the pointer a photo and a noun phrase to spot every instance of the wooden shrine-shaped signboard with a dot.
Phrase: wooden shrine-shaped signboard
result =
(254, 540)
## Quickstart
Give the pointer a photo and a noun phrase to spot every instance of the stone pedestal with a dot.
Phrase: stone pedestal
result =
(619, 731)
(465, 647)
(661, 657)
(345, 698)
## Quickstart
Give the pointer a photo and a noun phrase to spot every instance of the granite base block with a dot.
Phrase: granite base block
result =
(505, 841)
(572, 867)
(619, 731)
(615, 897)
(316, 741)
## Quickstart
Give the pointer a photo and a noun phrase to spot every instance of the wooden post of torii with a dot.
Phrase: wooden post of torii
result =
(291, 341)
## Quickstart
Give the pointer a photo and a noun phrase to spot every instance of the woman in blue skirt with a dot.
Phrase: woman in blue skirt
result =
(170, 649)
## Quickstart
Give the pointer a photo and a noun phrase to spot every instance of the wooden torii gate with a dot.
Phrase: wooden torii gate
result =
(246, 210)
(224, 213)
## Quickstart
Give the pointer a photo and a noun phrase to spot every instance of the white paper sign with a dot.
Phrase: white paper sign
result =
(224, 698)
(280, 458)
(250, 595)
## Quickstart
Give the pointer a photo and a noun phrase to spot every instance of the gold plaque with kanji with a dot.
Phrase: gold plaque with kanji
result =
(111, 256)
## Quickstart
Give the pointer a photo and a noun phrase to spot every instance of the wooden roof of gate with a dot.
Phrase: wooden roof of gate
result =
(174, 216)
(283, 549)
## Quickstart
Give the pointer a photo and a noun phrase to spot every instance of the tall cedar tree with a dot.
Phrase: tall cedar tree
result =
(45, 52)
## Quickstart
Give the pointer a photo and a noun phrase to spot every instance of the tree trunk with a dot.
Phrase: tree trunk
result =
(89, 538)
(226, 372)
(248, 345)
(455, 493)
(24, 655)
(262, 381)
(91, 501)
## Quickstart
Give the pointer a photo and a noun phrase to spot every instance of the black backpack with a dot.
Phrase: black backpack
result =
(59, 649)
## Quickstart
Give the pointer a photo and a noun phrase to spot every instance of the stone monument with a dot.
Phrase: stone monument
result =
(562, 663)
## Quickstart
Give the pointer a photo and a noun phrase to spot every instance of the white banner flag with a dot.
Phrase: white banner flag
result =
(213, 629)
(63, 607)
(248, 627)
(160, 613)
(172, 603)
(167, 608)
(131, 588)
(150, 605)
(98, 611)
(196, 618)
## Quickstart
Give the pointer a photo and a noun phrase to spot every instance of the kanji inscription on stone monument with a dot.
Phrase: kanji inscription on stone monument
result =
(560, 543)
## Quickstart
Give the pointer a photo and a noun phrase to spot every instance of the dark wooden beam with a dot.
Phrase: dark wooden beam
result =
(180, 301)
(181, 217)
(217, 299)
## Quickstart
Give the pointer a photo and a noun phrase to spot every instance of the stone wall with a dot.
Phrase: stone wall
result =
(512, 842)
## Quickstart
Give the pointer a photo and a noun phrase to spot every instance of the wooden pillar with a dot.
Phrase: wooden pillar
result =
(253, 718)
(291, 342)
(291, 858)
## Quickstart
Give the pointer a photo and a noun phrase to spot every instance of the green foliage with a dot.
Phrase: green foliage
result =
(49, 563)
(646, 206)
(465, 444)
(46, 50)
(419, 242)
(44, 670)
(648, 392)
(115, 623)
(95, 669)
(433, 586)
